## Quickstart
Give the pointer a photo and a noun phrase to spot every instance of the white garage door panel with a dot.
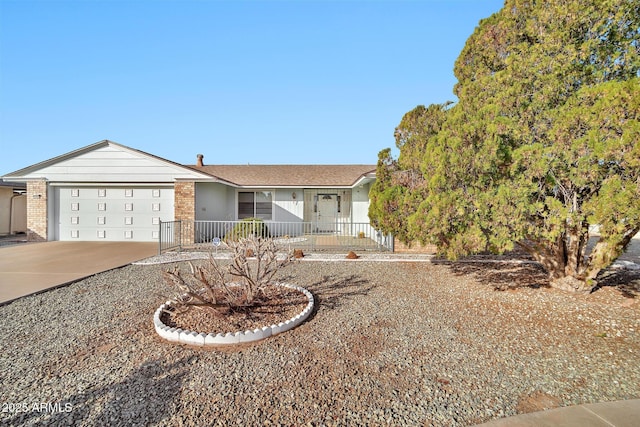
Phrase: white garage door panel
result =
(112, 213)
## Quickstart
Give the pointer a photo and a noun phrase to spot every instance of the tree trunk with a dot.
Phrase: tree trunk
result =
(575, 242)
(551, 256)
(606, 251)
(571, 284)
(563, 261)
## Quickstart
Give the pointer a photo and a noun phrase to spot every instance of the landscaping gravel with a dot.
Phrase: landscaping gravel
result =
(390, 343)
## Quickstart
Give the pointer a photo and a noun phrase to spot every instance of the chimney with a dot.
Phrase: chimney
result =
(199, 162)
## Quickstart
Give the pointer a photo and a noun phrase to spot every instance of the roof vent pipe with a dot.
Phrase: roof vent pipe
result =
(199, 163)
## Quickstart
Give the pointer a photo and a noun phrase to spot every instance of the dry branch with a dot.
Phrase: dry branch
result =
(235, 286)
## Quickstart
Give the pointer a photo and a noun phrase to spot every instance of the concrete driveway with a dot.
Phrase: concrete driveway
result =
(34, 267)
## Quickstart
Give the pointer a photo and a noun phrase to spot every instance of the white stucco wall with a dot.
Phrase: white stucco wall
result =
(5, 209)
(19, 214)
(218, 202)
(360, 199)
(214, 202)
(232, 204)
(286, 208)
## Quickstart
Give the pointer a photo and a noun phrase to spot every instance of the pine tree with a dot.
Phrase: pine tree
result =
(543, 142)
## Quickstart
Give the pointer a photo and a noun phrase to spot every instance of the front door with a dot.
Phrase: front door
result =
(327, 212)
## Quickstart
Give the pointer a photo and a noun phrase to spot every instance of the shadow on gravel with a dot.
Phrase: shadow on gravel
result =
(332, 291)
(501, 276)
(627, 282)
(145, 396)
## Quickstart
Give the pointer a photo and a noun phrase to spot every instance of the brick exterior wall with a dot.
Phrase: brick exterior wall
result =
(37, 211)
(185, 208)
(416, 248)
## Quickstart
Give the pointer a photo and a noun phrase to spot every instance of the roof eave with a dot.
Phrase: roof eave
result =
(54, 160)
(296, 186)
(364, 179)
(20, 174)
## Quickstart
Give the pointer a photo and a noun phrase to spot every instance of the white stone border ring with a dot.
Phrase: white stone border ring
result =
(229, 338)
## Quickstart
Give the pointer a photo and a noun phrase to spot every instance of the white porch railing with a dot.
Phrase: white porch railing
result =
(311, 236)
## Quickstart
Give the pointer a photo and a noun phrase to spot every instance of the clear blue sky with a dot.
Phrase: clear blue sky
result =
(240, 82)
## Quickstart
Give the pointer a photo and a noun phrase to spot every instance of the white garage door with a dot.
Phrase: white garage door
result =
(112, 213)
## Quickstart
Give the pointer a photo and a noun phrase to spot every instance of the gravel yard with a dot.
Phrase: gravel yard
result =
(406, 343)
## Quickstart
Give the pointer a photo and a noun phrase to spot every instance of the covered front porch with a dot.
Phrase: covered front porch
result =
(324, 206)
(310, 236)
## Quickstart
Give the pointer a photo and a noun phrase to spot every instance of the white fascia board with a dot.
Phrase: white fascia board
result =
(210, 179)
(66, 167)
(153, 157)
(363, 180)
(111, 184)
(16, 178)
(295, 187)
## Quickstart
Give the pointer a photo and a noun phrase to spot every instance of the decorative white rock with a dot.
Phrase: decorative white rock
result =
(230, 338)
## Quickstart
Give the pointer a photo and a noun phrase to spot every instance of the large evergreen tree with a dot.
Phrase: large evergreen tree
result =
(399, 186)
(543, 143)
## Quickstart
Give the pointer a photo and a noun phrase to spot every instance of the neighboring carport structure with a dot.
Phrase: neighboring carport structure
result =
(13, 208)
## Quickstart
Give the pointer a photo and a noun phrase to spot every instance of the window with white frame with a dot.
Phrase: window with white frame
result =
(256, 204)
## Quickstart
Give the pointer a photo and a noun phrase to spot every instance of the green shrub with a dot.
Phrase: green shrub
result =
(248, 227)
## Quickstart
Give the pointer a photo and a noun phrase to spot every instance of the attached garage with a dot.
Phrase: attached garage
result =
(111, 213)
(106, 192)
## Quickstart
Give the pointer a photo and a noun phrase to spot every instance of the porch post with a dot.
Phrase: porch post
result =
(37, 213)
(185, 210)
